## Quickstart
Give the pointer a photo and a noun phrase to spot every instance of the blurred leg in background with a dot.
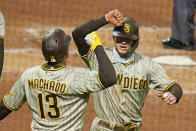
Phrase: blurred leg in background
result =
(182, 35)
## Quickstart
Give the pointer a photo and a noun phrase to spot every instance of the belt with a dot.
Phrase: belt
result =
(119, 127)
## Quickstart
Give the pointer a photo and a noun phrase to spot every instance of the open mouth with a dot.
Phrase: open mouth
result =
(123, 47)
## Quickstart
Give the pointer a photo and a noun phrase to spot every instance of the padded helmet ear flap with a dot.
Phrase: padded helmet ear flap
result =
(54, 45)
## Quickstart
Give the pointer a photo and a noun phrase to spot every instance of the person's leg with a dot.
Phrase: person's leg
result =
(182, 26)
(183, 21)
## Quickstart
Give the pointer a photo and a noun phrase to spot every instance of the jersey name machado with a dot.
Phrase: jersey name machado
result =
(49, 85)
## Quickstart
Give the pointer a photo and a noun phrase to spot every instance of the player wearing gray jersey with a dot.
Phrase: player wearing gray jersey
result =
(58, 95)
(119, 107)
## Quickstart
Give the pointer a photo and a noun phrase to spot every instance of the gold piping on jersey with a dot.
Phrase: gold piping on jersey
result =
(7, 106)
(169, 86)
(52, 69)
(133, 83)
(10, 93)
(90, 50)
(2, 37)
(128, 63)
(100, 81)
(45, 84)
(86, 53)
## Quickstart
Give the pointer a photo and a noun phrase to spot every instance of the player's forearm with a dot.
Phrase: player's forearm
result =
(81, 31)
(90, 26)
(4, 111)
(1, 54)
(107, 74)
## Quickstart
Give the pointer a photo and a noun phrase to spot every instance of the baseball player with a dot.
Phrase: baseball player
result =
(2, 36)
(119, 107)
(58, 95)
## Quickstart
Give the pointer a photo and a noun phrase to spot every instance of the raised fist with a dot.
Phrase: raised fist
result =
(115, 17)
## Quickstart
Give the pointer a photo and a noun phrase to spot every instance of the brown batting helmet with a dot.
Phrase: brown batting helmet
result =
(129, 31)
(54, 45)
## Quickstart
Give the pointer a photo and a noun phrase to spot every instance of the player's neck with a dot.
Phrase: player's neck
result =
(63, 63)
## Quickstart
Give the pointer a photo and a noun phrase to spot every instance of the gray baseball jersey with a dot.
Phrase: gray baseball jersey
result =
(57, 102)
(122, 103)
(2, 26)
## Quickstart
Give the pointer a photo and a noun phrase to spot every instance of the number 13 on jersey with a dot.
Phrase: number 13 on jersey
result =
(51, 101)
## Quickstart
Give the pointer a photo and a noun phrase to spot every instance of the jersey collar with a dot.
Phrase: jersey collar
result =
(125, 61)
(52, 67)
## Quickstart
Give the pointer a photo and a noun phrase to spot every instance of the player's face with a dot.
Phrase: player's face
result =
(123, 44)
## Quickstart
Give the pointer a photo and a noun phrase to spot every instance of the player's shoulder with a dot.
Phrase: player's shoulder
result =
(92, 55)
(32, 69)
(142, 58)
(79, 70)
(108, 50)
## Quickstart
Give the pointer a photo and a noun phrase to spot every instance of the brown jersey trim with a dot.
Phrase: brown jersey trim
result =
(176, 90)
(100, 81)
(169, 87)
(85, 55)
(7, 106)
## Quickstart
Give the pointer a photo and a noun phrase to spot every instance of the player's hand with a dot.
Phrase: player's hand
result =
(115, 17)
(168, 97)
(93, 40)
(2, 25)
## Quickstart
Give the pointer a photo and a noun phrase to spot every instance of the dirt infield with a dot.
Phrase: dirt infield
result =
(27, 21)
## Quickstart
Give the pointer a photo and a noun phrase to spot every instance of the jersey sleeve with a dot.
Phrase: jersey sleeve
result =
(91, 60)
(2, 26)
(2, 36)
(159, 79)
(16, 97)
(84, 82)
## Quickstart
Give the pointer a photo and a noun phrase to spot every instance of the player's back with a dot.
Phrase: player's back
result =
(55, 99)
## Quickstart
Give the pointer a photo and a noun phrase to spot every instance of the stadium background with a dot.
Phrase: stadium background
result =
(28, 20)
